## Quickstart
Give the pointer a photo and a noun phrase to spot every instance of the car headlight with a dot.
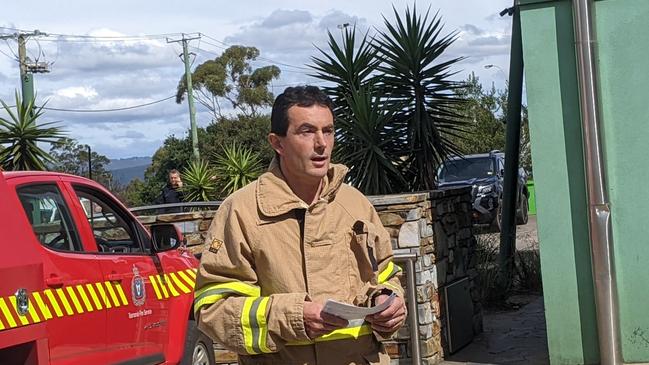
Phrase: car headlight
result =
(485, 189)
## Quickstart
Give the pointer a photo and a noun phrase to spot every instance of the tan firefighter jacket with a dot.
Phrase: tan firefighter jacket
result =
(269, 251)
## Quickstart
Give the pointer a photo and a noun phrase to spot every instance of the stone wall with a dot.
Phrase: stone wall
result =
(436, 226)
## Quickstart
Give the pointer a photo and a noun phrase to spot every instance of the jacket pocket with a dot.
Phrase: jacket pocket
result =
(363, 246)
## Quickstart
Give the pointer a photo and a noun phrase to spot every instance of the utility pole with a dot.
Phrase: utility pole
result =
(26, 79)
(190, 94)
(27, 68)
(512, 150)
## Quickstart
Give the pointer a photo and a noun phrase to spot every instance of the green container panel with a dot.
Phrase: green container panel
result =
(622, 48)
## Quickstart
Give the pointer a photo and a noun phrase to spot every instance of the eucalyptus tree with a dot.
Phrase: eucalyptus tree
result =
(229, 79)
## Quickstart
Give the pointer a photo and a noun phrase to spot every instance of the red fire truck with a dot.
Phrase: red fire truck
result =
(83, 282)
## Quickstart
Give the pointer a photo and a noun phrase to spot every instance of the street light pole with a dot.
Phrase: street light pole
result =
(89, 162)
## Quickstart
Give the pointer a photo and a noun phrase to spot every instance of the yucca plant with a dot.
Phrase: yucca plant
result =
(349, 65)
(236, 167)
(411, 94)
(199, 182)
(414, 77)
(367, 144)
(22, 135)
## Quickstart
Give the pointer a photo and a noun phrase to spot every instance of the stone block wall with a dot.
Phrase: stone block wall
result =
(435, 226)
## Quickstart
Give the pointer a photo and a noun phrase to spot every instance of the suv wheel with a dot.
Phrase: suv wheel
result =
(522, 214)
(199, 349)
(498, 219)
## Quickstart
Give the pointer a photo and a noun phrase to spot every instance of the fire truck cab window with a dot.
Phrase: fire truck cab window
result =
(113, 233)
(49, 217)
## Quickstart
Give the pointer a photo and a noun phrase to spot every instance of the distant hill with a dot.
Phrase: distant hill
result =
(122, 163)
(126, 169)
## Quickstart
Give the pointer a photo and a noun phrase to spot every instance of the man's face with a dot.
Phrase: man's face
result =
(305, 151)
(174, 180)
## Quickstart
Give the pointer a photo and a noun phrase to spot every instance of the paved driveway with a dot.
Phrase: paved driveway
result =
(509, 338)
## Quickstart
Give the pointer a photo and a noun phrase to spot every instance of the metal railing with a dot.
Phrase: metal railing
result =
(411, 297)
(175, 208)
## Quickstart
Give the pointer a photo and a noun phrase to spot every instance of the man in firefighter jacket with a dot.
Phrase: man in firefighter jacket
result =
(283, 245)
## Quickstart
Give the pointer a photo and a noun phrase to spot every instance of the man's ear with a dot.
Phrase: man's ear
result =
(276, 143)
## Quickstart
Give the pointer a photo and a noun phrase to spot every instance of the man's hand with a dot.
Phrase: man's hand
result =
(317, 322)
(389, 319)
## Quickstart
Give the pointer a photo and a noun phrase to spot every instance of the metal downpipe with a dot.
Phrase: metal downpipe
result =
(599, 214)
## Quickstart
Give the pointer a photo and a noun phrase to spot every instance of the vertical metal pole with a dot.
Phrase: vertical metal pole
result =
(190, 100)
(89, 162)
(411, 299)
(412, 308)
(512, 150)
(599, 213)
(26, 78)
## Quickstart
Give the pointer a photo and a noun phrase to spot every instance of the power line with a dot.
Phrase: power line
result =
(15, 29)
(108, 110)
(11, 49)
(259, 57)
(146, 36)
(11, 58)
(219, 54)
(71, 38)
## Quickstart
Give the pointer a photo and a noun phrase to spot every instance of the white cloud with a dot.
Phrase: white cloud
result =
(281, 18)
(73, 92)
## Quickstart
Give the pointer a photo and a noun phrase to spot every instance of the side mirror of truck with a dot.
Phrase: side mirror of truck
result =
(166, 237)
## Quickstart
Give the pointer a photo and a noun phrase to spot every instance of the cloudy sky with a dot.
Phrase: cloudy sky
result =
(113, 54)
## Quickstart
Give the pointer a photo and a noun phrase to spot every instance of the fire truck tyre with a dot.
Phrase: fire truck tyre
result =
(199, 349)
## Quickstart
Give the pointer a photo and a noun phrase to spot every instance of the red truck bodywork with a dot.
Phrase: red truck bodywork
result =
(93, 305)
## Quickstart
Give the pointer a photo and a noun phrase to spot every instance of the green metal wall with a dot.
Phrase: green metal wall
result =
(623, 33)
(622, 28)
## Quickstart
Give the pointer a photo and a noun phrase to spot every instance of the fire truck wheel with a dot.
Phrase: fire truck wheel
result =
(199, 349)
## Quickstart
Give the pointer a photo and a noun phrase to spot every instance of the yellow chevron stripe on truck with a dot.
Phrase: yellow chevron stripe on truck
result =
(173, 284)
(51, 304)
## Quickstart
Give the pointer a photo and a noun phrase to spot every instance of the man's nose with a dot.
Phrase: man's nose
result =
(320, 140)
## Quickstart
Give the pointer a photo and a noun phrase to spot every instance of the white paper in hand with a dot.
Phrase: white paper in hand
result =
(349, 312)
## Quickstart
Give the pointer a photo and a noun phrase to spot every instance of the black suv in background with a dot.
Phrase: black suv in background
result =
(484, 173)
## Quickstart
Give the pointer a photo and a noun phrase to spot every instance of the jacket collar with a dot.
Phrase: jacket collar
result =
(275, 197)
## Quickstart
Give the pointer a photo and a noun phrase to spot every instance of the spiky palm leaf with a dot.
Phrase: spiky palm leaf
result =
(349, 66)
(366, 143)
(22, 135)
(236, 167)
(198, 182)
(414, 76)
(364, 140)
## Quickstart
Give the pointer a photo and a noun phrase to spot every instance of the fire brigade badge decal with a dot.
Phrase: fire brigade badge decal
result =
(138, 291)
(216, 245)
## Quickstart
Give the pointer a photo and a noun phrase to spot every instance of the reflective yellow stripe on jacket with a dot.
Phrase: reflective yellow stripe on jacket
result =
(213, 293)
(388, 273)
(352, 332)
(253, 314)
(254, 325)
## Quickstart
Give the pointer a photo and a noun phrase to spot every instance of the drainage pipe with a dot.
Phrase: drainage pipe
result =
(599, 212)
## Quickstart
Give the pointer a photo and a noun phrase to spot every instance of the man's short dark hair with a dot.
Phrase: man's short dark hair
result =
(303, 96)
(173, 172)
